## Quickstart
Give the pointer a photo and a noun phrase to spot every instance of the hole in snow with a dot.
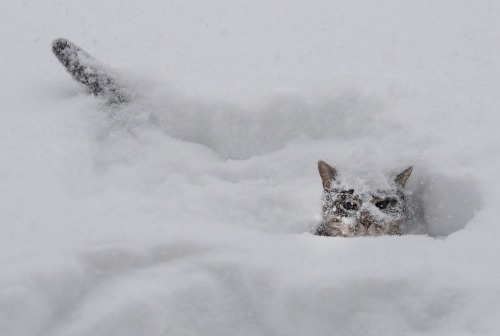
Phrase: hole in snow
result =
(442, 204)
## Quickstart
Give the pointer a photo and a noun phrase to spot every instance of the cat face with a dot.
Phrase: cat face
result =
(350, 212)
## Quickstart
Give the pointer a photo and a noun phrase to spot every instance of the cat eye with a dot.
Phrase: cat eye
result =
(350, 205)
(384, 204)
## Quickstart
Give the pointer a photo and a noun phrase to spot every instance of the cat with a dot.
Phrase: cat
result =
(89, 72)
(347, 212)
(350, 213)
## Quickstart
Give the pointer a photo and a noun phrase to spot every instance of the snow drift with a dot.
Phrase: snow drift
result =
(190, 211)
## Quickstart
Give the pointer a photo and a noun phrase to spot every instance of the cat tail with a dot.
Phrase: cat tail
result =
(88, 71)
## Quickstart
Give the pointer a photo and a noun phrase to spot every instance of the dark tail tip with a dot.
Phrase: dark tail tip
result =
(60, 44)
(87, 71)
(64, 50)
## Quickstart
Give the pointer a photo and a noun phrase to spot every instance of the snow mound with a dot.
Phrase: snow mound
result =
(189, 211)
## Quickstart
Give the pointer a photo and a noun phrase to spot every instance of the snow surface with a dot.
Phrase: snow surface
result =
(199, 223)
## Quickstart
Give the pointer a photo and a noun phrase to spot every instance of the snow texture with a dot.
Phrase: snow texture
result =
(189, 212)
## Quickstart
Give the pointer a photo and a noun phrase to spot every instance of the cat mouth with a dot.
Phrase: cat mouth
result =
(354, 227)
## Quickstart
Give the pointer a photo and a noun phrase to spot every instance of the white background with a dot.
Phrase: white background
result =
(199, 223)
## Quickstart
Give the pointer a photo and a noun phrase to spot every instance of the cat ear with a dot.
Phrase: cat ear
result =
(327, 173)
(403, 177)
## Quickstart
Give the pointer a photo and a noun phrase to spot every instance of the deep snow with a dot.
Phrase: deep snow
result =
(198, 223)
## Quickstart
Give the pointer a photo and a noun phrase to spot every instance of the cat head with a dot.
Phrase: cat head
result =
(351, 211)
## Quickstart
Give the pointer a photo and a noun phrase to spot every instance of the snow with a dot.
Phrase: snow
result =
(199, 223)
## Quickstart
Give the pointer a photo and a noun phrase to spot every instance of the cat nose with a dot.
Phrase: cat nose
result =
(366, 219)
